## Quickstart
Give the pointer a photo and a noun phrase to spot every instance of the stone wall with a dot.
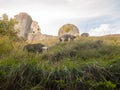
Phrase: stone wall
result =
(31, 31)
(26, 27)
(23, 25)
(35, 27)
(38, 37)
(68, 29)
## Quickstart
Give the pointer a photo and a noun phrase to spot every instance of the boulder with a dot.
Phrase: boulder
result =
(68, 29)
(35, 48)
(23, 25)
(85, 34)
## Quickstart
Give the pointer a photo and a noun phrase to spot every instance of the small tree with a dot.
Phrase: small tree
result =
(7, 26)
(5, 17)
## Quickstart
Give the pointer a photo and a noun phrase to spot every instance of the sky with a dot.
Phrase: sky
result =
(96, 17)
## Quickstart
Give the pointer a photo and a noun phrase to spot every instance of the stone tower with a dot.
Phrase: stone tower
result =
(23, 25)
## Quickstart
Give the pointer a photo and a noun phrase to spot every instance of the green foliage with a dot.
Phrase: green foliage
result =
(82, 50)
(33, 76)
(5, 17)
(5, 45)
(106, 85)
(85, 64)
(7, 26)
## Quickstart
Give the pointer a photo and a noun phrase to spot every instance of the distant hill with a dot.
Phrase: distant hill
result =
(112, 35)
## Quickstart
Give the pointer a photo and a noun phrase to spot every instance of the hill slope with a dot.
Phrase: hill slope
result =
(87, 63)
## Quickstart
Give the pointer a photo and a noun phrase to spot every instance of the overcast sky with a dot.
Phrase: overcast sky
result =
(97, 17)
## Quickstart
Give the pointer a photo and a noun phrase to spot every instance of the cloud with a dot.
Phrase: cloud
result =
(104, 29)
(51, 14)
(61, 8)
(76, 8)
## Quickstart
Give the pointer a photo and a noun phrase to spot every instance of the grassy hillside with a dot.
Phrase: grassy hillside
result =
(90, 63)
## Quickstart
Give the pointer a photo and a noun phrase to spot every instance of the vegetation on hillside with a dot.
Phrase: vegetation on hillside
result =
(89, 63)
(86, 64)
(7, 26)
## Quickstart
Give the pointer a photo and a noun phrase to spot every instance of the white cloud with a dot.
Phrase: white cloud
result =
(71, 8)
(104, 29)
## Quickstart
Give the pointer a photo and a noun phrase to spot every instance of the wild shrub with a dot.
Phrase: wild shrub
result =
(7, 26)
(5, 45)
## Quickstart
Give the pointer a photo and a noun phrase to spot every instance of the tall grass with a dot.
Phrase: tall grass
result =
(84, 64)
(66, 77)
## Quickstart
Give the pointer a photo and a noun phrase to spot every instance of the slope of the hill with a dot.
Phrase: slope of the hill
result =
(90, 63)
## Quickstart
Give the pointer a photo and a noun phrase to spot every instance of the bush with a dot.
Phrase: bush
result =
(5, 45)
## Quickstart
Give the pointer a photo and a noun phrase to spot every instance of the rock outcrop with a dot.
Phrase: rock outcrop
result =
(68, 29)
(23, 25)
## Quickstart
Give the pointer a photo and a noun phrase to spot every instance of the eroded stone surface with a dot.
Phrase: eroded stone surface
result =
(68, 29)
(23, 25)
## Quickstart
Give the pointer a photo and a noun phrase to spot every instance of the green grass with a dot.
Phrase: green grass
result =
(90, 63)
